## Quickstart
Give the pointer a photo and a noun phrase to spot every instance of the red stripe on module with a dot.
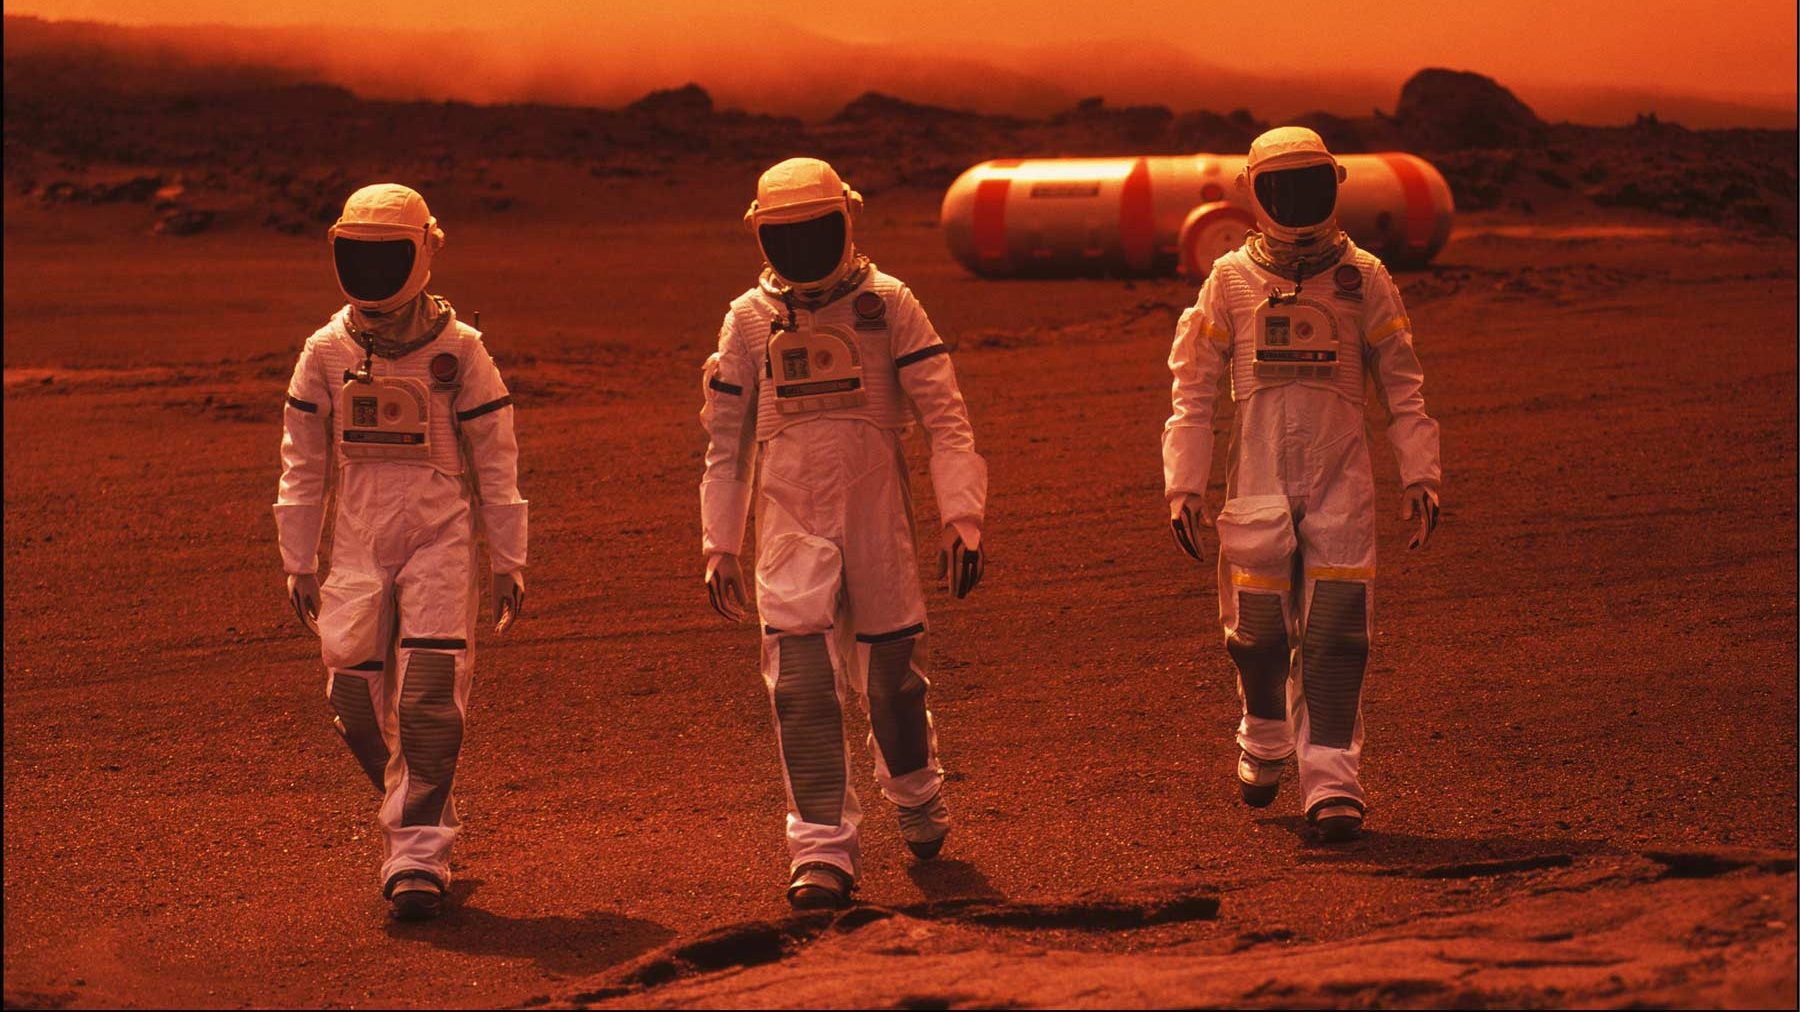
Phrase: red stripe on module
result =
(1137, 218)
(1421, 220)
(990, 222)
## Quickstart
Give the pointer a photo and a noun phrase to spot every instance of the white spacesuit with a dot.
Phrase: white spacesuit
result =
(1300, 319)
(820, 369)
(397, 410)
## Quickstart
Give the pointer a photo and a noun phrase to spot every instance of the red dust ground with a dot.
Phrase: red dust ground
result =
(1580, 709)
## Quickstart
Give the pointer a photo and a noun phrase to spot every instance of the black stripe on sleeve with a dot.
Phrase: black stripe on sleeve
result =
(494, 405)
(921, 355)
(299, 405)
(725, 388)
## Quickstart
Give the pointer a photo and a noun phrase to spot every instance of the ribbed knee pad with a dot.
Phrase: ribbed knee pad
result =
(431, 730)
(1335, 652)
(353, 700)
(812, 728)
(1259, 645)
(897, 705)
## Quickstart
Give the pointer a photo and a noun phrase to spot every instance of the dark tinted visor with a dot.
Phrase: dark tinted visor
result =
(804, 251)
(1298, 198)
(372, 270)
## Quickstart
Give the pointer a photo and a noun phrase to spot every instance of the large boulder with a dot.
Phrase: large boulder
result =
(1451, 110)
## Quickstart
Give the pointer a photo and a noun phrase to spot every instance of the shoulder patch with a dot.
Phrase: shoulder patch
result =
(445, 367)
(871, 311)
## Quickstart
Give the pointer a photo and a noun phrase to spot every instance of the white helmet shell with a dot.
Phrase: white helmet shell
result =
(801, 189)
(1277, 150)
(387, 211)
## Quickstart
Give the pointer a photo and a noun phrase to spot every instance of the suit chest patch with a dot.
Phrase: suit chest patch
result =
(1295, 340)
(815, 369)
(385, 418)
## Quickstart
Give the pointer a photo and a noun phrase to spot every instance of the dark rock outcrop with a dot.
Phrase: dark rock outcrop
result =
(1343, 136)
(687, 101)
(1134, 124)
(1448, 110)
(1202, 130)
(875, 107)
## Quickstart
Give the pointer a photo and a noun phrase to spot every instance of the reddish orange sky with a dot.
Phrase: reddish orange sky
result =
(1744, 50)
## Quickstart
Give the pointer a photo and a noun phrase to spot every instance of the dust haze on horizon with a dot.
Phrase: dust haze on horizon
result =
(1579, 60)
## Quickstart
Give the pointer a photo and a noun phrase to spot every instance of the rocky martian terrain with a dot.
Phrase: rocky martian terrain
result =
(1581, 705)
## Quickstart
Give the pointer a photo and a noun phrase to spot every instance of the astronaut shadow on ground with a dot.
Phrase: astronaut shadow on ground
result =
(595, 941)
(1426, 854)
(950, 879)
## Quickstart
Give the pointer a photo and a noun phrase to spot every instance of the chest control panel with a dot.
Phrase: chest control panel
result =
(386, 418)
(816, 369)
(1295, 340)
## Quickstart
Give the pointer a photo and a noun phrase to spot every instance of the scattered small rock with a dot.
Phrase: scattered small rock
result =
(184, 222)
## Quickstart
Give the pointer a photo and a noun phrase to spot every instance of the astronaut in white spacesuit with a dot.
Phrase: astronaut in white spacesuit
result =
(1301, 319)
(821, 367)
(397, 412)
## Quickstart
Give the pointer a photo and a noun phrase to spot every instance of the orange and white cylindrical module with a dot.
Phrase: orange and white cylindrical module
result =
(1123, 216)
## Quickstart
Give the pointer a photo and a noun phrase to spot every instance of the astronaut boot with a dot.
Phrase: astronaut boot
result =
(817, 885)
(1259, 779)
(1338, 820)
(415, 895)
(925, 826)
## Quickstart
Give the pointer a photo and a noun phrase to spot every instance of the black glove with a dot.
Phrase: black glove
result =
(959, 561)
(1187, 515)
(725, 587)
(509, 599)
(303, 595)
(1421, 502)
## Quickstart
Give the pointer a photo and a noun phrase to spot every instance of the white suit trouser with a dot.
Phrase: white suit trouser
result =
(838, 592)
(396, 624)
(1296, 580)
